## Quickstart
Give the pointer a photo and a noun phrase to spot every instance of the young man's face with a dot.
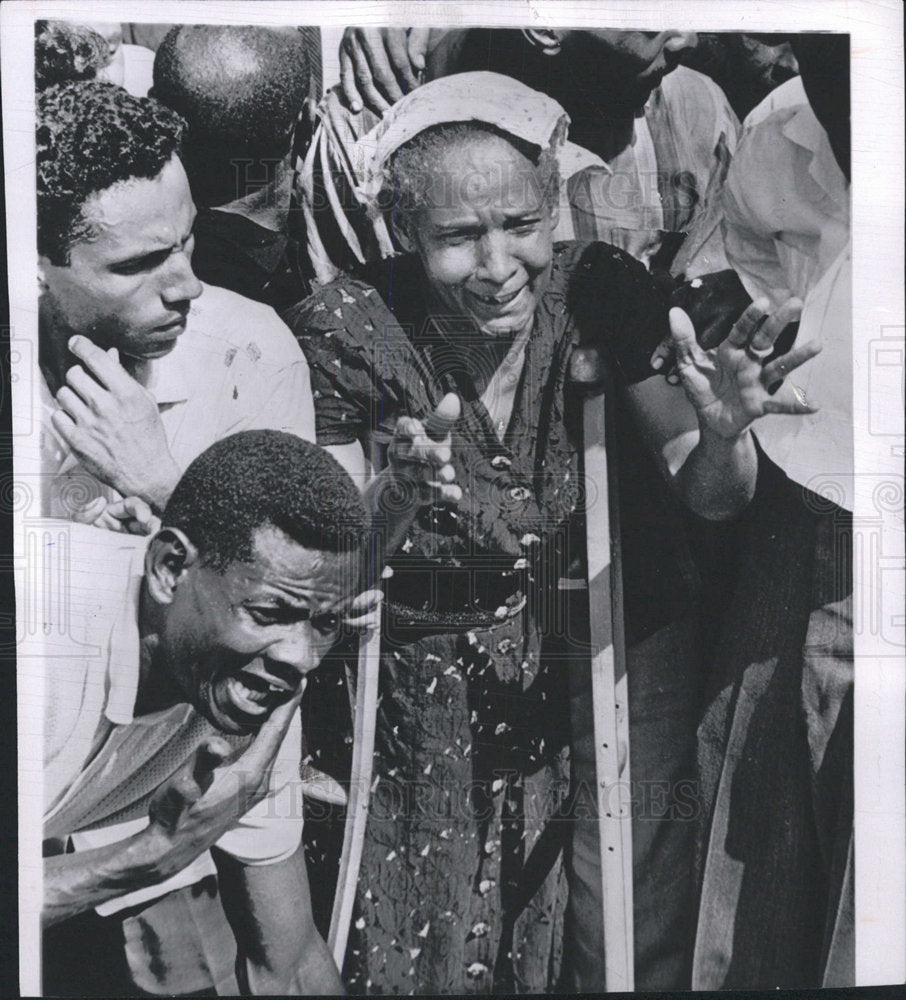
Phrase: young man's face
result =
(130, 284)
(238, 643)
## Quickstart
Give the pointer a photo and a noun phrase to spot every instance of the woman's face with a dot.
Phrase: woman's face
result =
(485, 236)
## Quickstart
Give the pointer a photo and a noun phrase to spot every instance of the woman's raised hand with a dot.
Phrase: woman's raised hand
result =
(419, 454)
(731, 386)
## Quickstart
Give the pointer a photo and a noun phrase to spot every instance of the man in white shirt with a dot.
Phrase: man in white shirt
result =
(172, 733)
(786, 220)
(136, 380)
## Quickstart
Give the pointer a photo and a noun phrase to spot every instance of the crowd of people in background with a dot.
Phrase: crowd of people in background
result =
(314, 358)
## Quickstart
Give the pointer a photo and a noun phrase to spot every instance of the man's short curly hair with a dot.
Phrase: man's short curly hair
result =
(256, 479)
(90, 136)
(65, 51)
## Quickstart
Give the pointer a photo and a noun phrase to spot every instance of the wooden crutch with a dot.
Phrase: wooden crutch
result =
(437, 426)
(364, 724)
(609, 684)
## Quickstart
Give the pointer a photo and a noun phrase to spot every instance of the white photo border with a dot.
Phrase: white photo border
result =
(876, 31)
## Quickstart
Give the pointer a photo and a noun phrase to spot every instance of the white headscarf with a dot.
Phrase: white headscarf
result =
(357, 147)
(489, 98)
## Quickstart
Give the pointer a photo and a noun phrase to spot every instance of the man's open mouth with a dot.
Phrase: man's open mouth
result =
(253, 695)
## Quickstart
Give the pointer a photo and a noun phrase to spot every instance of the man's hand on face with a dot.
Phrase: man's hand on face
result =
(113, 426)
(206, 797)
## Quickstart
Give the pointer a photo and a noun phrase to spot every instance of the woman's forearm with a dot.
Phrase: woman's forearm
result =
(717, 479)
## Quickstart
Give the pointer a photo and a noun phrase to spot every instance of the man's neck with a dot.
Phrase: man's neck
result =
(605, 130)
(156, 691)
(267, 206)
(53, 354)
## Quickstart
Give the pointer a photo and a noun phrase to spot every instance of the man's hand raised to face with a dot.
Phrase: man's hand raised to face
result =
(113, 426)
(188, 814)
(206, 797)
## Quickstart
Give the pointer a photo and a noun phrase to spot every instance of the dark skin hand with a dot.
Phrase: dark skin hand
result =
(379, 65)
(189, 814)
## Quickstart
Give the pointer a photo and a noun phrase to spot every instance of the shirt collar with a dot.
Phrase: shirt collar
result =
(167, 381)
(804, 129)
(124, 658)
(64, 457)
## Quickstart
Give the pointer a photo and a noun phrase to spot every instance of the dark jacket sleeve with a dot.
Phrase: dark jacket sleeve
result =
(619, 308)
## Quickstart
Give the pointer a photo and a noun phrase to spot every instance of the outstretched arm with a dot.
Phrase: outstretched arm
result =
(700, 429)
(76, 882)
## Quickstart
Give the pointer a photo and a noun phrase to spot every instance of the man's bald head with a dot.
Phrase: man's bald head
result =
(240, 88)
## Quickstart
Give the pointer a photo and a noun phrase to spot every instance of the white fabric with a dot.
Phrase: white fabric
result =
(786, 202)
(787, 232)
(138, 69)
(787, 95)
(88, 651)
(131, 68)
(817, 450)
(490, 98)
(236, 367)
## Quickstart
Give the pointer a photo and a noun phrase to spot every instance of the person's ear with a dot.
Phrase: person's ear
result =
(546, 40)
(42, 275)
(168, 557)
(555, 212)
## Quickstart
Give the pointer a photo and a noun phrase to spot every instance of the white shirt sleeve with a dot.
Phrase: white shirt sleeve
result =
(752, 215)
(289, 405)
(272, 830)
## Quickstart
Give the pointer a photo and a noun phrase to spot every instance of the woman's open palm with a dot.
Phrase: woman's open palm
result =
(730, 386)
